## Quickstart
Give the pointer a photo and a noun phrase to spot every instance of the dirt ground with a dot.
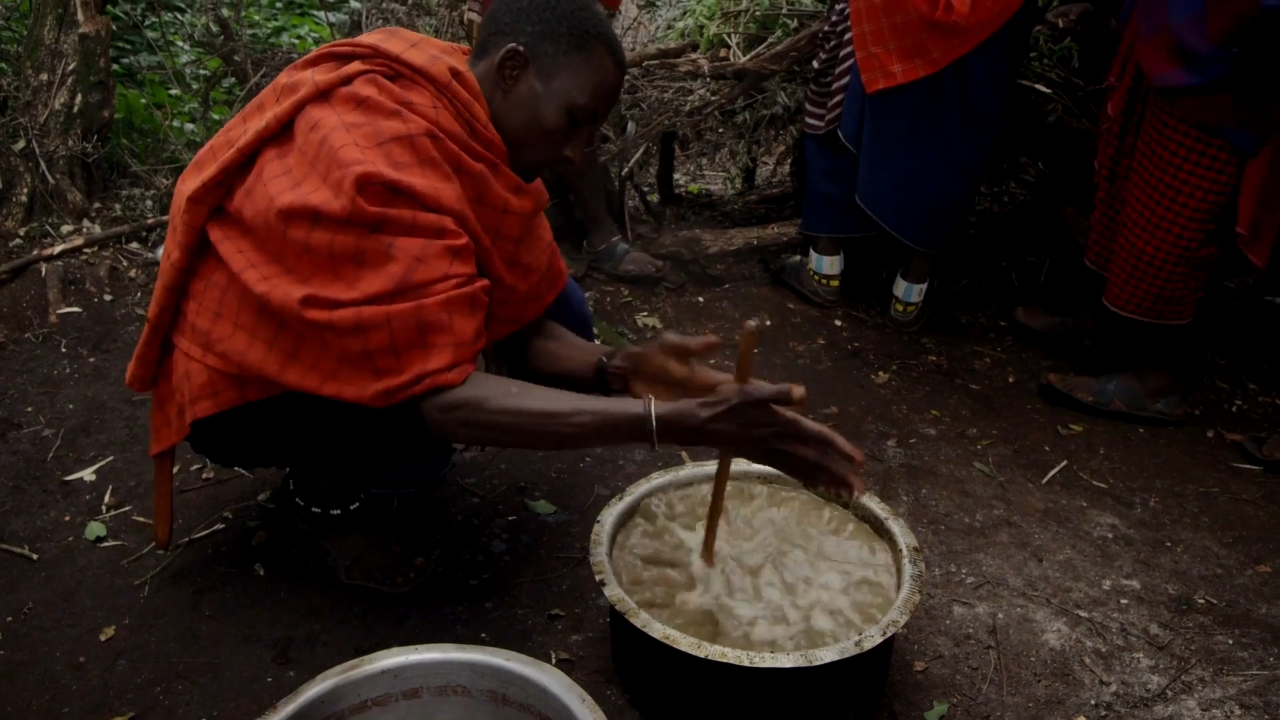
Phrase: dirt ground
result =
(1136, 582)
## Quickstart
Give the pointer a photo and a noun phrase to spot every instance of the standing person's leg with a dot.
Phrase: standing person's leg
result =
(830, 220)
(584, 186)
(829, 213)
(903, 162)
(1166, 192)
(923, 148)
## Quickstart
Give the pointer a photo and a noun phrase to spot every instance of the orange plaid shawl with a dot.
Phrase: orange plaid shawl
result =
(354, 233)
(898, 41)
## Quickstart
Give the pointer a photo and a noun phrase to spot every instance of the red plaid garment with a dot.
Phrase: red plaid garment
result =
(898, 41)
(354, 233)
(1165, 188)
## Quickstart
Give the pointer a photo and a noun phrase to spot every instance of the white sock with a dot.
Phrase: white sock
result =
(825, 270)
(909, 292)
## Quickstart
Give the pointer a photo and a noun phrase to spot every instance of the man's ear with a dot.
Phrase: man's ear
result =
(512, 65)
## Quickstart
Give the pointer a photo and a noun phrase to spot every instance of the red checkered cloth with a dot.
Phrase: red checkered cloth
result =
(355, 233)
(898, 41)
(1165, 189)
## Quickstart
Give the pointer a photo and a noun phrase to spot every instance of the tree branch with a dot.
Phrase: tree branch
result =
(80, 242)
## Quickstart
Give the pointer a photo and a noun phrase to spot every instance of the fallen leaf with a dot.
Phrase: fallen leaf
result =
(126, 716)
(935, 413)
(984, 443)
(919, 666)
(1065, 431)
(94, 531)
(257, 568)
(649, 322)
(986, 470)
(893, 442)
(87, 474)
(1012, 379)
(65, 310)
(555, 614)
(557, 656)
(938, 712)
(838, 323)
(1077, 428)
(880, 378)
(1262, 569)
(608, 336)
(207, 474)
(107, 633)
(541, 507)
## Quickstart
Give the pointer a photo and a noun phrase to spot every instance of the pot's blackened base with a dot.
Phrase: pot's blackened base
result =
(665, 683)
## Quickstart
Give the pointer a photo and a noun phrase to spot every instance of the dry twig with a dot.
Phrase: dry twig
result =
(1174, 679)
(23, 551)
(1093, 667)
(80, 242)
(1004, 680)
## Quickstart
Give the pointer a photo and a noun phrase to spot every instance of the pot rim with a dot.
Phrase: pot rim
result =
(910, 562)
(532, 669)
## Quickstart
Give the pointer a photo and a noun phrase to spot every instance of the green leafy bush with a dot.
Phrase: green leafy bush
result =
(184, 67)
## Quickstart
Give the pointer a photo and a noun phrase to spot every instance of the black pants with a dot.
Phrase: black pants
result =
(375, 449)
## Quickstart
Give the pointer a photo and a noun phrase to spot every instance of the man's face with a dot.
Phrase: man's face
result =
(548, 118)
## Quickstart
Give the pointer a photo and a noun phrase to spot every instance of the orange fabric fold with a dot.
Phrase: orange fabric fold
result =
(355, 233)
(898, 41)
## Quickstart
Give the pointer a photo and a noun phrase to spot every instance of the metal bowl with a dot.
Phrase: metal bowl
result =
(442, 682)
(668, 674)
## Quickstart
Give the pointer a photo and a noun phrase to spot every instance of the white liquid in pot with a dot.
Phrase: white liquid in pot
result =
(792, 571)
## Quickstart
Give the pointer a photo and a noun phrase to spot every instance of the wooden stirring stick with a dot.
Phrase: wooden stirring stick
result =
(742, 375)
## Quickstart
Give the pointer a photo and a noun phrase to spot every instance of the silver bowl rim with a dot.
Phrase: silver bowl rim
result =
(903, 542)
(392, 659)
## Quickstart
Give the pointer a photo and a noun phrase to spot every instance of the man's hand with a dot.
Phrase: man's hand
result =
(671, 367)
(753, 422)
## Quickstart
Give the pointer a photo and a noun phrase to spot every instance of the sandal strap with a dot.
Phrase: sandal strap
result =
(616, 242)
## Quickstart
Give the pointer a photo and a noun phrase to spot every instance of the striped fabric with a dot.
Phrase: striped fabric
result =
(831, 72)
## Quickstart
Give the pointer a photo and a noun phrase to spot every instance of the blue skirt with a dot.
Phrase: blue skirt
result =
(908, 160)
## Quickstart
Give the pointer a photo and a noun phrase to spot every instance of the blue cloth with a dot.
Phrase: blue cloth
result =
(383, 449)
(909, 159)
(570, 310)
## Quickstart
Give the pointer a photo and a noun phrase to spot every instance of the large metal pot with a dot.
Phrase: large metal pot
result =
(669, 675)
(441, 682)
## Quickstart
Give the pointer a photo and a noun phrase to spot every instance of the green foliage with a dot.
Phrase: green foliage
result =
(184, 67)
(739, 26)
(1050, 67)
(14, 17)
